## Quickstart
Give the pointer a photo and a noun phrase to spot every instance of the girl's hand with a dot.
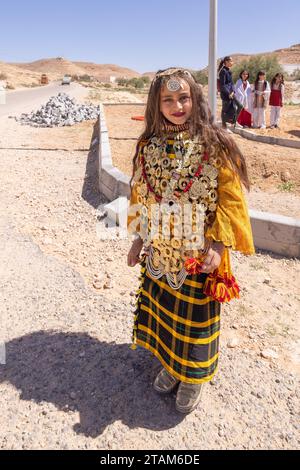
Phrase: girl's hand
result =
(213, 258)
(134, 252)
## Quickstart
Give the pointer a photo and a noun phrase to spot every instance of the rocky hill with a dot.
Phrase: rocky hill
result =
(28, 74)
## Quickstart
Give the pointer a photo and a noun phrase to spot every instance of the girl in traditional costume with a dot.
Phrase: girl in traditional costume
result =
(276, 99)
(187, 210)
(243, 93)
(260, 101)
(231, 106)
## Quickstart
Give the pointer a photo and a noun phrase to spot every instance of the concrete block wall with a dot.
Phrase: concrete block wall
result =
(267, 139)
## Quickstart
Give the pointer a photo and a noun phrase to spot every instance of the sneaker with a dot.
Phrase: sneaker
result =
(188, 397)
(238, 126)
(165, 382)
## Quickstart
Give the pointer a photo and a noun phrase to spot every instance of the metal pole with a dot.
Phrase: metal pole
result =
(212, 61)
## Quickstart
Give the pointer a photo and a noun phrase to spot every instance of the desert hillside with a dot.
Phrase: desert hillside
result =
(28, 74)
(289, 55)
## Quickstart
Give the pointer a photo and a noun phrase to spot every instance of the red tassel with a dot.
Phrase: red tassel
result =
(221, 288)
(193, 266)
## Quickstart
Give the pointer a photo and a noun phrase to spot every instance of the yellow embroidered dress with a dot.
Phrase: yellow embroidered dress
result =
(177, 315)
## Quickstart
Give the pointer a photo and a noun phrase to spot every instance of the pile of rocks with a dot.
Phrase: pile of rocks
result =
(60, 110)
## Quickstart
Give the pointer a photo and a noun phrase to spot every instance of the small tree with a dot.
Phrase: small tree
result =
(146, 79)
(85, 78)
(268, 64)
(201, 76)
(121, 81)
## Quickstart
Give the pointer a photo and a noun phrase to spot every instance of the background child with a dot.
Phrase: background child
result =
(231, 107)
(243, 93)
(184, 161)
(276, 99)
(261, 97)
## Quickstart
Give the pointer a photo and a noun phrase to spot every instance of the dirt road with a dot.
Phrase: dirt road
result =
(26, 100)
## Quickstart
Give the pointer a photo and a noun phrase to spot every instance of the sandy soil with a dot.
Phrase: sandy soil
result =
(70, 380)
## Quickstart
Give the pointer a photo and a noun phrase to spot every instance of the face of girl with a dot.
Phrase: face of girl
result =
(245, 76)
(176, 106)
(261, 77)
(228, 63)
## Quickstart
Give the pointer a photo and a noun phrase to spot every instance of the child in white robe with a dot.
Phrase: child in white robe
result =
(243, 93)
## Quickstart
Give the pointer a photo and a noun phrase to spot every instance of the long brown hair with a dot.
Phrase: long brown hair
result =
(201, 123)
(274, 79)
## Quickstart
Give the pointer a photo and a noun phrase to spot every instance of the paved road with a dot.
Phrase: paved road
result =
(26, 100)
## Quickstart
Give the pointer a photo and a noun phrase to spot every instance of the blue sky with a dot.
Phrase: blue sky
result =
(142, 35)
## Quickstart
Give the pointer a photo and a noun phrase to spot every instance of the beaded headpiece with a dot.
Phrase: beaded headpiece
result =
(173, 83)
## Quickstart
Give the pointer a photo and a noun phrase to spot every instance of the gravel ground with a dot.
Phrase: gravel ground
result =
(71, 381)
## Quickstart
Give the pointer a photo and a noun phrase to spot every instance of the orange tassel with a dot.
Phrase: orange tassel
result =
(193, 266)
(221, 288)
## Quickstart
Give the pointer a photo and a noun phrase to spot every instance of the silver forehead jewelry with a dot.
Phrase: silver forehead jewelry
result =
(173, 84)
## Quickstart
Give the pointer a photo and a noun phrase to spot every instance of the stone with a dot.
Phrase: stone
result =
(59, 111)
(269, 354)
(233, 343)
(285, 176)
(98, 284)
(108, 284)
(47, 241)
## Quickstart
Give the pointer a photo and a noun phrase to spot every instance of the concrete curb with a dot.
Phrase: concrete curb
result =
(266, 139)
(271, 232)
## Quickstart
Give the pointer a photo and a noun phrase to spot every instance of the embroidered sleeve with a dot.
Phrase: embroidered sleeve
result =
(133, 214)
(232, 223)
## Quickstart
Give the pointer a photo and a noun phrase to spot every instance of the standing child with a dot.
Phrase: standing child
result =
(276, 99)
(231, 107)
(243, 93)
(188, 171)
(261, 97)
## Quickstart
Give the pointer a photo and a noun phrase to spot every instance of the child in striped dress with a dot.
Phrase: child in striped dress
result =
(187, 210)
(260, 101)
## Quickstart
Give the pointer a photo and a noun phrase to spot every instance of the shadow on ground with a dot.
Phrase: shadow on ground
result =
(104, 382)
(295, 133)
(90, 190)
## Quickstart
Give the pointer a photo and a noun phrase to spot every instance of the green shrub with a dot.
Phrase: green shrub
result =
(135, 82)
(268, 64)
(85, 78)
(201, 76)
(287, 186)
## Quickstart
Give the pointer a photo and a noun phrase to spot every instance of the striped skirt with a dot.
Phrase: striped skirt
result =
(180, 327)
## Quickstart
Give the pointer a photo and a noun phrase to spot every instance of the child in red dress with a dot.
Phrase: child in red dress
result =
(276, 99)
